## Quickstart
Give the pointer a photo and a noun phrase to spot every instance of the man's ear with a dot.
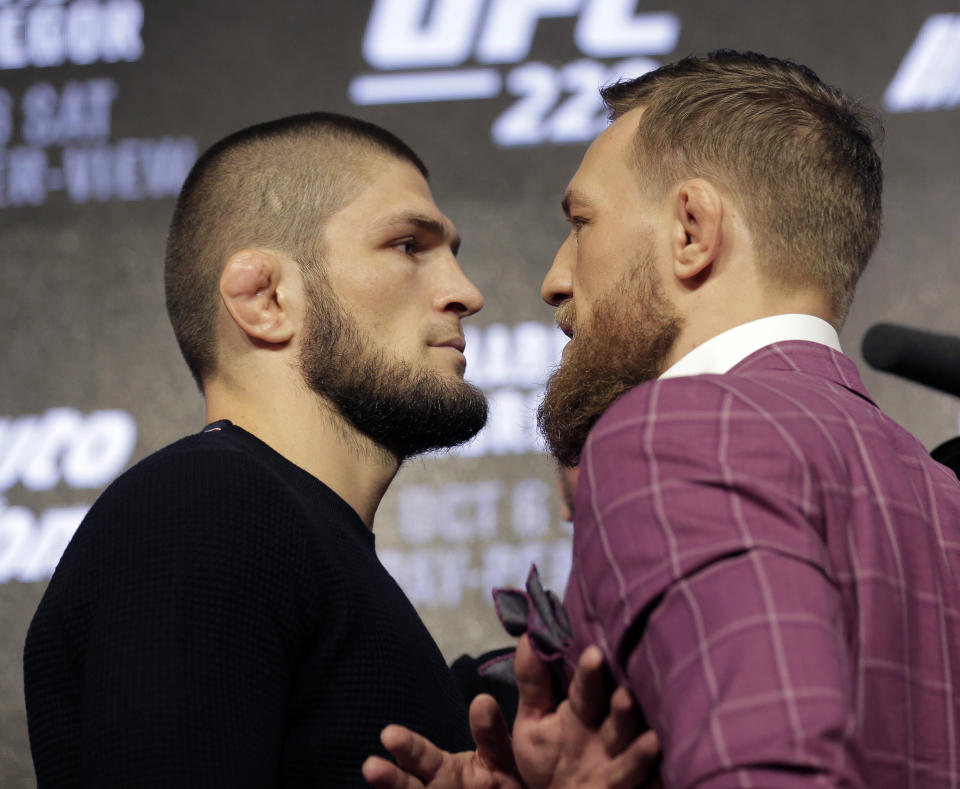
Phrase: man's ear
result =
(252, 287)
(699, 215)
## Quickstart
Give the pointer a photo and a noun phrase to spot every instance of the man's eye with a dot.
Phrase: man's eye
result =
(577, 222)
(406, 245)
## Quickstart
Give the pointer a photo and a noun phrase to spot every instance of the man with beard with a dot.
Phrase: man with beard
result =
(768, 561)
(220, 617)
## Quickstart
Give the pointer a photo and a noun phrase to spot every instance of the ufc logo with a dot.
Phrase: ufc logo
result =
(431, 33)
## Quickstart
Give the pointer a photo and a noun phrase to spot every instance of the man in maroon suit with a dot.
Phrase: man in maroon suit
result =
(768, 561)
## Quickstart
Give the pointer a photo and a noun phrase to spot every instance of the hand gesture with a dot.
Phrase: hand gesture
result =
(422, 765)
(582, 742)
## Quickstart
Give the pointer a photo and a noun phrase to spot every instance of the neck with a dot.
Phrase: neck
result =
(705, 320)
(310, 433)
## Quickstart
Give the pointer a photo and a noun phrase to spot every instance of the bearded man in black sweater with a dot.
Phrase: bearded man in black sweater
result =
(221, 617)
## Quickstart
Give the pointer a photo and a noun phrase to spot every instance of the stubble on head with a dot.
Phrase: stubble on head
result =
(625, 342)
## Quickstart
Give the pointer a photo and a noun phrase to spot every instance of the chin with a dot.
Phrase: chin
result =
(447, 368)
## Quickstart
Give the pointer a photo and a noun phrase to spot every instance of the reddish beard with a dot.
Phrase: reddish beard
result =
(625, 342)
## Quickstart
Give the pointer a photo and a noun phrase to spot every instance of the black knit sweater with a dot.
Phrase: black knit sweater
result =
(221, 619)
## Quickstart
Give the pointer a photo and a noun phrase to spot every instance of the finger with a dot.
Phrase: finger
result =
(491, 735)
(620, 727)
(413, 753)
(534, 685)
(636, 764)
(385, 775)
(588, 697)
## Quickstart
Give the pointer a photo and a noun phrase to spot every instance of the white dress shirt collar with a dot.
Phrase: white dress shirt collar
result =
(721, 353)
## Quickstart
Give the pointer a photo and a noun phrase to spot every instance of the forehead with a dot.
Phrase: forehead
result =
(393, 189)
(607, 166)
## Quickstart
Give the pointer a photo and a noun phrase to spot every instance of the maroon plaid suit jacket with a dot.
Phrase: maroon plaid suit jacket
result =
(771, 564)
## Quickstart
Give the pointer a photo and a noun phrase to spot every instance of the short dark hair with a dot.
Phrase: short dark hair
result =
(797, 154)
(274, 185)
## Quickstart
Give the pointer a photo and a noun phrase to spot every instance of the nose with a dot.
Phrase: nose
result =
(557, 285)
(460, 295)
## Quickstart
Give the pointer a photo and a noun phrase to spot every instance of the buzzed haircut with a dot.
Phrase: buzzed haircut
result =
(797, 155)
(272, 185)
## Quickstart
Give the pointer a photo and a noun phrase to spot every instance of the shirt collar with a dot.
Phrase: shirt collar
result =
(721, 353)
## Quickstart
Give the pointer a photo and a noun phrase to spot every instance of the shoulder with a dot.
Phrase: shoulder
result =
(197, 472)
(769, 407)
(705, 397)
(712, 433)
(199, 532)
(198, 502)
(681, 412)
(703, 467)
(193, 451)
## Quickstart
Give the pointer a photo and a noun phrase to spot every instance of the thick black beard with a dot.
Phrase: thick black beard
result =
(626, 343)
(407, 412)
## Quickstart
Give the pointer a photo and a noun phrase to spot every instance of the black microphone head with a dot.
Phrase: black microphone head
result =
(921, 356)
(882, 346)
(948, 453)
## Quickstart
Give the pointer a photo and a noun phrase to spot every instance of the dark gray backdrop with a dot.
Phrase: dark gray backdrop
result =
(104, 104)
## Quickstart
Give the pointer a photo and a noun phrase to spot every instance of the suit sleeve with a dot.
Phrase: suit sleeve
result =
(703, 570)
(191, 636)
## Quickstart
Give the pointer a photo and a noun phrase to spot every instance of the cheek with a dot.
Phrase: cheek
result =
(391, 302)
(398, 322)
(595, 264)
(374, 298)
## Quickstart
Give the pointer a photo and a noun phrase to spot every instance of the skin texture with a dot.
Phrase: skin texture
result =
(615, 224)
(405, 407)
(403, 285)
(596, 367)
(702, 250)
(389, 257)
(580, 742)
(644, 276)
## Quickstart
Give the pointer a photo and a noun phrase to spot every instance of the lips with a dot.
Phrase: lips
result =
(454, 342)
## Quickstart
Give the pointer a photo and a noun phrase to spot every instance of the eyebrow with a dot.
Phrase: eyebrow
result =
(573, 196)
(427, 224)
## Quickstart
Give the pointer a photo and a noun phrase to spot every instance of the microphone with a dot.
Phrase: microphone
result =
(921, 356)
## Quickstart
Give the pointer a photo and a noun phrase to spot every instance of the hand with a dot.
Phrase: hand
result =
(579, 743)
(576, 744)
(422, 765)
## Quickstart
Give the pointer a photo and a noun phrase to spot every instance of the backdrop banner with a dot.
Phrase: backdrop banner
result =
(105, 105)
